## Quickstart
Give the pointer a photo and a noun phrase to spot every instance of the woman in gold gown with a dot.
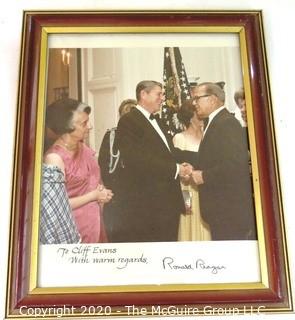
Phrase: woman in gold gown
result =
(191, 227)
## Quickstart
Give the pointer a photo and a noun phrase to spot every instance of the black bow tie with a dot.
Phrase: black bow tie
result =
(154, 116)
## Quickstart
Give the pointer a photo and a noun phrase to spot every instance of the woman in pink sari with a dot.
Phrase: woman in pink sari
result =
(69, 119)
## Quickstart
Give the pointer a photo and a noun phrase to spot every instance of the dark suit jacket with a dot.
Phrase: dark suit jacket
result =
(152, 196)
(112, 181)
(226, 197)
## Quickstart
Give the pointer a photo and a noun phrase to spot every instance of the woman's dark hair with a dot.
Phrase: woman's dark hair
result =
(186, 112)
(59, 115)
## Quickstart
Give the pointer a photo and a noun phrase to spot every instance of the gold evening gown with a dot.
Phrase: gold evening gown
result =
(191, 226)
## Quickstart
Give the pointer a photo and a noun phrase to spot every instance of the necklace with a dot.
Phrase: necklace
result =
(70, 147)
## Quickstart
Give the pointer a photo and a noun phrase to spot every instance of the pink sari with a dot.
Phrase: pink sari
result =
(82, 175)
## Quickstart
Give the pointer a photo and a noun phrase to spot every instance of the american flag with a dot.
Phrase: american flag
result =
(176, 87)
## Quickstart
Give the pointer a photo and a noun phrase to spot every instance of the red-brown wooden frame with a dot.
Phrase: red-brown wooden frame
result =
(277, 297)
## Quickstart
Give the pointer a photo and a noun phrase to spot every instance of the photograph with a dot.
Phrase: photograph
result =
(142, 191)
(124, 176)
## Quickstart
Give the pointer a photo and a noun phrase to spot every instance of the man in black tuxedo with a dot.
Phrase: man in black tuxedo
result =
(225, 190)
(151, 193)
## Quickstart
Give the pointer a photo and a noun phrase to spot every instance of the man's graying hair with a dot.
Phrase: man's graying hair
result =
(214, 89)
(147, 86)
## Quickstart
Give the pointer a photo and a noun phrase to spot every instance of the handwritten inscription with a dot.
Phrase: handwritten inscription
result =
(124, 262)
(88, 254)
(199, 264)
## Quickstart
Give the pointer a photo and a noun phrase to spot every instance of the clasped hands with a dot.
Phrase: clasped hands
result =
(103, 195)
(187, 173)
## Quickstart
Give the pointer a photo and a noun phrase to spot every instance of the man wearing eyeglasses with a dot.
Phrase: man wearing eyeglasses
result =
(222, 173)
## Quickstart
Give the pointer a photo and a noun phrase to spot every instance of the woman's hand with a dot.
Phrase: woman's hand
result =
(99, 194)
(103, 195)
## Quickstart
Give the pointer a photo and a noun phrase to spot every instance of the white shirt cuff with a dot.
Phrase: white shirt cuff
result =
(177, 171)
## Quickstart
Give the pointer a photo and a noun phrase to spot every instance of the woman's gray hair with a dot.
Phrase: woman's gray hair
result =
(59, 115)
(213, 89)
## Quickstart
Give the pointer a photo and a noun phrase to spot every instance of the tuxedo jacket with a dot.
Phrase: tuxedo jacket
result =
(151, 196)
(226, 197)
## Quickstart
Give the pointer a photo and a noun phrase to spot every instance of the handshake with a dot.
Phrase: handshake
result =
(187, 173)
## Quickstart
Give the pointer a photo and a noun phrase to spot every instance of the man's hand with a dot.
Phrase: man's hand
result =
(185, 171)
(197, 177)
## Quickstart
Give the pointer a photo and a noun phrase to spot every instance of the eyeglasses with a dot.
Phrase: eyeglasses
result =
(197, 98)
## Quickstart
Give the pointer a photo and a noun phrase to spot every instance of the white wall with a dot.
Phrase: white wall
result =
(111, 74)
(278, 26)
(100, 76)
(209, 63)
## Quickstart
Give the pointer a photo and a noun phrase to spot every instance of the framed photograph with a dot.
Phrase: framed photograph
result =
(126, 255)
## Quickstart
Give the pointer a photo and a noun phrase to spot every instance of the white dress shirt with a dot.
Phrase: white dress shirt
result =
(154, 123)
